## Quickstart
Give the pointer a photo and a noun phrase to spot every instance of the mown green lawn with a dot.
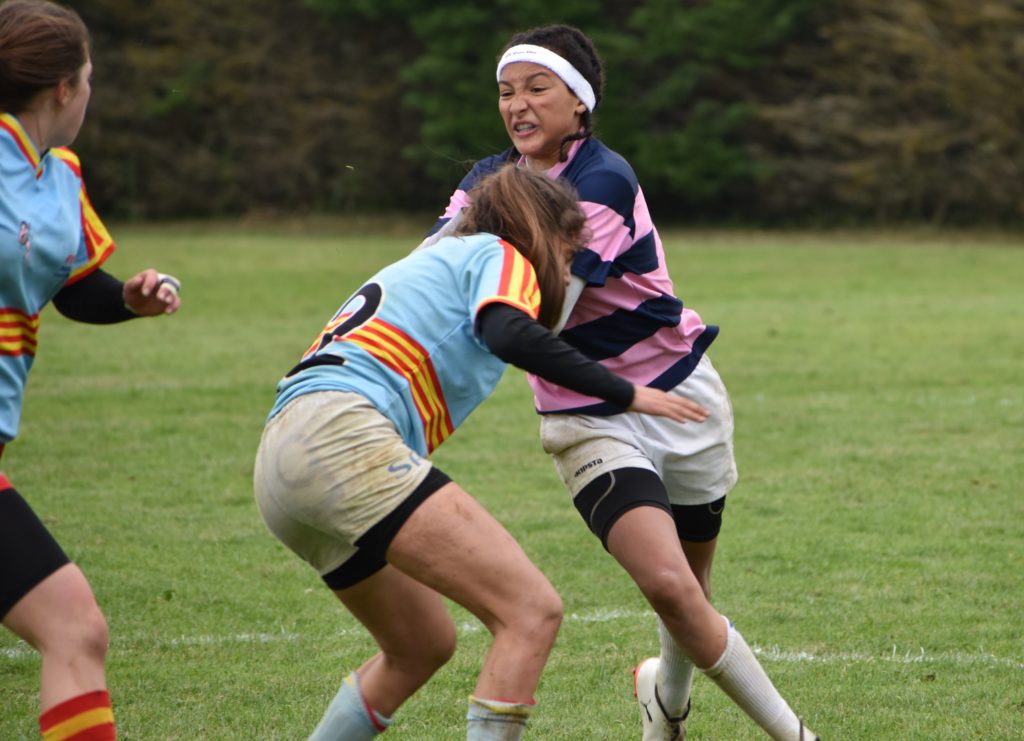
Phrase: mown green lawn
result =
(872, 552)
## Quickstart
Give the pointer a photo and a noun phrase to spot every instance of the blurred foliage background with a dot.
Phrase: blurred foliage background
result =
(732, 111)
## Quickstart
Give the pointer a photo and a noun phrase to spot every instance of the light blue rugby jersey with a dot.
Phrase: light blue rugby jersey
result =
(408, 338)
(49, 237)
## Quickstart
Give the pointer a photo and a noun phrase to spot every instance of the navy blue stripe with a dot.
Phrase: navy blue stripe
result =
(438, 224)
(603, 176)
(640, 258)
(481, 169)
(668, 380)
(611, 335)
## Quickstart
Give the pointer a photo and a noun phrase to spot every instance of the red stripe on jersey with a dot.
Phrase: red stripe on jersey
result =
(66, 155)
(518, 283)
(18, 332)
(10, 124)
(507, 267)
(98, 243)
(405, 356)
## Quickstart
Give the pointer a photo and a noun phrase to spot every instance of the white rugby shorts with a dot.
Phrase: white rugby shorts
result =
(330, 467)
(694, 460)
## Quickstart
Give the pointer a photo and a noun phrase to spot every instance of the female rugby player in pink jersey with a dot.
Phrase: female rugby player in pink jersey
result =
(51, 247)
(651, 489)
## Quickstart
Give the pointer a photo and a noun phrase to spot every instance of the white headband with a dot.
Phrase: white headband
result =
(557, 64)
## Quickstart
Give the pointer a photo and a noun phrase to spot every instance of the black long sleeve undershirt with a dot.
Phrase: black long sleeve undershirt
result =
(98, 298)
(519, 340)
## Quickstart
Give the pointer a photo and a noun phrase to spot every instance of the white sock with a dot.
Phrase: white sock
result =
(675, 674)
(741, 677)
(348, 717)
(493, 720)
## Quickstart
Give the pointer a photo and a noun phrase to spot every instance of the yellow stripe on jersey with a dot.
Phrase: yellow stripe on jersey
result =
(18, 332)
(98, 242)
(10, 124)
(518, 284)
(402, 354)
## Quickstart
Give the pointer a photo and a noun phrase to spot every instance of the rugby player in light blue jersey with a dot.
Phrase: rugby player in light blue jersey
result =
(342, 478)
(652, 490)
(52, 244)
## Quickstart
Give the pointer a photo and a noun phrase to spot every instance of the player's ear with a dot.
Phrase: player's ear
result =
(62, 93)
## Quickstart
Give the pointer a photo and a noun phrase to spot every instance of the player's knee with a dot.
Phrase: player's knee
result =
(94, 635)
(671, 591)
(422, 657)
(87, 630)
(544, 613)
(552, 609)
(440, 648)
(81, 635)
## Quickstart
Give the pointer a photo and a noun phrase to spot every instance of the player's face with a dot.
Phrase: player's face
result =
(539, 111)
(74, 99)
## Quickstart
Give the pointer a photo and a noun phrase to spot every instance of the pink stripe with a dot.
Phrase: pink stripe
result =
(640, 364)
(642, 216)
(555, 171)
(609, 235)
(626, 292)
(458, 201)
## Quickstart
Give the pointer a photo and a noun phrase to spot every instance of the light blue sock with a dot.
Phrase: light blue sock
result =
(348, 717)
(493, 720)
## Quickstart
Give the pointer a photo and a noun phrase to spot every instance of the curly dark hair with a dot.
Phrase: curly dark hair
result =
(572, 44)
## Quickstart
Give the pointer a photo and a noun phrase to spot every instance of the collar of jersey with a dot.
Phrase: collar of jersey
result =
(22, 141)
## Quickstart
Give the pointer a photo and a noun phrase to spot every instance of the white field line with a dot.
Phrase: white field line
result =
(770, 654)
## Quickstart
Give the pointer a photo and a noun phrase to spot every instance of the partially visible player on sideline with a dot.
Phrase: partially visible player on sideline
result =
(653, 491)
(52, 244)
(342, 479)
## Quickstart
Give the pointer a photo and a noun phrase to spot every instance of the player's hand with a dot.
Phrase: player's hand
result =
(151, 293)
(654, 401)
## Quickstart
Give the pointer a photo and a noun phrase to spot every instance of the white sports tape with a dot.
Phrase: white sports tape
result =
(557, 64)
(168, 280)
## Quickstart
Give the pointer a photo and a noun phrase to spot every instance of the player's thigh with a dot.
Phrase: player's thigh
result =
(454, 546)
(404, 616)
(29, 554)
(55, 610)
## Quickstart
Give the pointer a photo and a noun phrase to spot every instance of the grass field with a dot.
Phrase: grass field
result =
(873, 552)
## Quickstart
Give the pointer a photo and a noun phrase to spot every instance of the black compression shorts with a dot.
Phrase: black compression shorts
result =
(28, 552)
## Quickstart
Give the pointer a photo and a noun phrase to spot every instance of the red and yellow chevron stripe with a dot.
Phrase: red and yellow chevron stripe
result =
(402, 354)
(18, 332)
(98, 242)
(11, 125)
(518, 286)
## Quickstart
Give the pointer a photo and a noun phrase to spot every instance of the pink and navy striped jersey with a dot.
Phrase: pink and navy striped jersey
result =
(628, 316)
